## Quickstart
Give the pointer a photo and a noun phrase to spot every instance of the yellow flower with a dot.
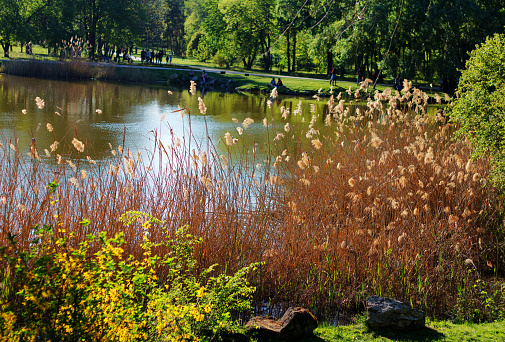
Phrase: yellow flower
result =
(200, 292)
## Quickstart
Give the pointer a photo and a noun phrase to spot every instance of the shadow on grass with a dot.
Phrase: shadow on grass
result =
(306, 339)
(422, 335)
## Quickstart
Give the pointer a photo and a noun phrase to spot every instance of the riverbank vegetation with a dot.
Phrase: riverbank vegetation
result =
(78, 69)
(378, 200)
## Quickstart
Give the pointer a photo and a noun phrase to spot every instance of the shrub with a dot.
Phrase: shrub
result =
(480, 108)
(221, 59)
(192, 45)
(63, 289)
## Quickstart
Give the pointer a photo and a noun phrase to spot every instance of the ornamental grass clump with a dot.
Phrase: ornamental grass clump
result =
(385, 203)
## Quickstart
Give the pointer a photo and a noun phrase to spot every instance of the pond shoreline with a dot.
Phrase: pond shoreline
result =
(220, 80)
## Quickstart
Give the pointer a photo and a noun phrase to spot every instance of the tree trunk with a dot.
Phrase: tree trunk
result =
(93, 17)
(329, 59)
(268, 60)
(100, 45)
(6, 45)
(293, 68)
(287, 51)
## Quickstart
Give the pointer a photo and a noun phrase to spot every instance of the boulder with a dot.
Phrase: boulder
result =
(294, 324)
(388, 313)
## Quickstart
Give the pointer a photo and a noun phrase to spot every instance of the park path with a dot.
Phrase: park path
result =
(218, 71)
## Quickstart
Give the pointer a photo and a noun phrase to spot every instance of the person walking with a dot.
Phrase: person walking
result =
(333, 76)
(359, 73)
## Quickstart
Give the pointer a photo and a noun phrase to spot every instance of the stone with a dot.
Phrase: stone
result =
(388, 313)
(296, 323)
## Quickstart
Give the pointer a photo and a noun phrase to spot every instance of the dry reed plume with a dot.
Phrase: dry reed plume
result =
(377, 200)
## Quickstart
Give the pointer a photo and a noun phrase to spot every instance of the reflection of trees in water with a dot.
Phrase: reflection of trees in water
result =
(76, 104)
(125, 105)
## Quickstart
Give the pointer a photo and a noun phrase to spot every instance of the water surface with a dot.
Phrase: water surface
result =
(100, 113)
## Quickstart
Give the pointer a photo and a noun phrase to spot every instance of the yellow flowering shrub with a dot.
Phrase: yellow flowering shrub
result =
(56, 291)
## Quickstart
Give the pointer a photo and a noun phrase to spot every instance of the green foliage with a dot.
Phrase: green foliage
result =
(192, 46)
(63, 289)
(485, 302)
(221, 59)
(10, 17)
(480, 108)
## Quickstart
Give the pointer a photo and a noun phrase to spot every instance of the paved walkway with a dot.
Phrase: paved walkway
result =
(215, 70)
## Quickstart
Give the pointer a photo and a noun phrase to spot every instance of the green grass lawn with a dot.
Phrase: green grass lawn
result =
(435, 331)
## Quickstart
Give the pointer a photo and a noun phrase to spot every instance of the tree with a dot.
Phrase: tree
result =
(18, 18)
(213, 36)
(293, 16)
(195, 13)
(154, 25)
(174, 21)
(53, 23)
(248, 27)
(10, 18)
(118, 21)
(480, 108)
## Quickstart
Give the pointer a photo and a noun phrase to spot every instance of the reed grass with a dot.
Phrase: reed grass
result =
(380, 200)
(79, 69)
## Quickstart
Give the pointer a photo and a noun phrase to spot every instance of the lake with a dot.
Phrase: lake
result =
(100, 113)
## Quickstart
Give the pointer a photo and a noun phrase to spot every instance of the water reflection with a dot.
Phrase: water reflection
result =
(100, 113)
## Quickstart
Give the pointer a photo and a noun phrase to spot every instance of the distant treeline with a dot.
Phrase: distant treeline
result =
(429, 40)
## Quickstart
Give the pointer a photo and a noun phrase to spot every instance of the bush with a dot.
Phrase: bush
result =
(192, 46)
(63, 289)
(480, 108)
(221, 59)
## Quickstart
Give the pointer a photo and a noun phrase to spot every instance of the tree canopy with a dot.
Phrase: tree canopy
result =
(415, 39)
(480, 108)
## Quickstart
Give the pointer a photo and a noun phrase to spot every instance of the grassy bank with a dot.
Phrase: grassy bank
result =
(435, 331)
(80, 69)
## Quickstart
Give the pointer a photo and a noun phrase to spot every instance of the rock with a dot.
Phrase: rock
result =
(294, 324)
(388, 313)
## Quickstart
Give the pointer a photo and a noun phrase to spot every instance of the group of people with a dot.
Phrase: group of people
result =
(146, 56)
(205, 78)
(275, 84)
